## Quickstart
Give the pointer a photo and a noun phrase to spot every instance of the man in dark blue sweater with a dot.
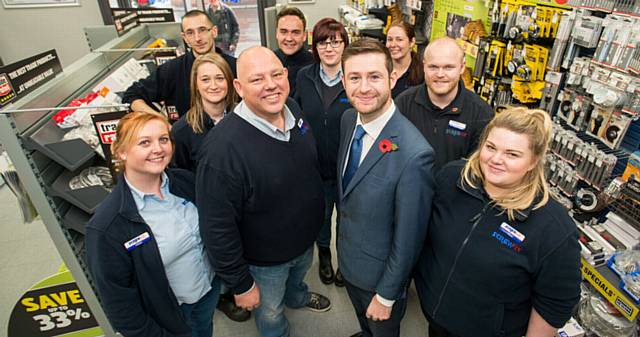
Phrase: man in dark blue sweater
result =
(261, 194)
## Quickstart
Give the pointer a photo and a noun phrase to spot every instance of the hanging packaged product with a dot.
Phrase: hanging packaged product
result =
(598, 316)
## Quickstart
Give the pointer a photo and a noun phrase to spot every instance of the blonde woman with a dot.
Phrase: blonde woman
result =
(501, 257)
(213, 96)
(144, 249)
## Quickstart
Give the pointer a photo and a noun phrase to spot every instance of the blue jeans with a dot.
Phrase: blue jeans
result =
(199, 315)
(330, 199)
(279, 286)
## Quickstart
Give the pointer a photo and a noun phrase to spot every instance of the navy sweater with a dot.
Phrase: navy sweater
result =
(187, 143)
(264, 198)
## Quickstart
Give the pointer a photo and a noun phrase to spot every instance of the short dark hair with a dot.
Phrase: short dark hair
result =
(327, 28)
(195, 12)
(368, 45)
(292, 11)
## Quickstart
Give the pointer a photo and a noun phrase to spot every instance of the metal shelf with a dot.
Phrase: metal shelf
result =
(45, 163)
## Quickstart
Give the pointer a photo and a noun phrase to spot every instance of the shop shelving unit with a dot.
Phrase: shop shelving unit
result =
(45, 162)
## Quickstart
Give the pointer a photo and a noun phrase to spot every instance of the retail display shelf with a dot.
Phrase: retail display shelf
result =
(76, 219)
(48, 139)
(87, 199)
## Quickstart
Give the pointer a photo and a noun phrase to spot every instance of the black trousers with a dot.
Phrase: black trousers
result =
(361, 299)
(436, 330)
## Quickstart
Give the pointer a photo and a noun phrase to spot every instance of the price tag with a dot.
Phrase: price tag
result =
(53, 307)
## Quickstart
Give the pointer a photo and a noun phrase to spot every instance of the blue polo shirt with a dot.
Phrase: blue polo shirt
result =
(174, 223)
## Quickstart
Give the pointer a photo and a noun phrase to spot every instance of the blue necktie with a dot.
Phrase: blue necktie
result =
(354, 157)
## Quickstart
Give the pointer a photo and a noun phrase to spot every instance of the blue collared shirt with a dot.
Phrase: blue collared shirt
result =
(263, 125)
(174, 223)
(330, 82)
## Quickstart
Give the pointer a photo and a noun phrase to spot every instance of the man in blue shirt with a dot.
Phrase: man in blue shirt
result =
(258, 176)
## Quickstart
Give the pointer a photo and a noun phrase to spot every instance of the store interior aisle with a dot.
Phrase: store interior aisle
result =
(27, 255)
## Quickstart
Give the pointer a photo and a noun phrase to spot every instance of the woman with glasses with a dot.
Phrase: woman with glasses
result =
(401, 38)
(213, 96)
(321, 96)
(501, 256)
(144, 249)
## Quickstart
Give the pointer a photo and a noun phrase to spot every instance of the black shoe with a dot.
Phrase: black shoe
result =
(318, 303)
(359, 334)
(325, 269)
(339, 281)
(227, 304)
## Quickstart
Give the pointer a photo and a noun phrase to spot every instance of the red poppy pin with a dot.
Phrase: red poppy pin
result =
(386, 145)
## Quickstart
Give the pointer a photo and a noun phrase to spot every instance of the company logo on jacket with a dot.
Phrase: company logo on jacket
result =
(509, 237)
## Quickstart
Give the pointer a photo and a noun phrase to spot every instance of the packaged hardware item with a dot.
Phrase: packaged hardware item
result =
(598, 316)
(625, 262)
(92, 176)
(571, 329)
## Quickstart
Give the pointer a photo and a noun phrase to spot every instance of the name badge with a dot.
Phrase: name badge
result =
(457, 125)
(137, 241)
(512, 232)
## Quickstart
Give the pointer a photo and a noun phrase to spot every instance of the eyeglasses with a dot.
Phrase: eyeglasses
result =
(333, 43)
(201, 30)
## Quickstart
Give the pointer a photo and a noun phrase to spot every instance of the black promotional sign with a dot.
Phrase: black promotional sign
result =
(126, 19)
(22, 77)
(53, 307)
(153, 15)
(106, 124)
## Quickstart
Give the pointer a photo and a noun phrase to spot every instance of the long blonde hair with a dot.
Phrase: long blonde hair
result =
(128, 129)
(536, 125)
(196, 114)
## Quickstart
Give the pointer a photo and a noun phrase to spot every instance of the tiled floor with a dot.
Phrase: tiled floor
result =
(28, 255)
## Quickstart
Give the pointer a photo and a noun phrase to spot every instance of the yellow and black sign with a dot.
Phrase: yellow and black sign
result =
(53, 307)
(609, 291)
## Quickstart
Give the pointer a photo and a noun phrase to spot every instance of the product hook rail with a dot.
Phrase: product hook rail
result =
(100, 50)
(115, 106)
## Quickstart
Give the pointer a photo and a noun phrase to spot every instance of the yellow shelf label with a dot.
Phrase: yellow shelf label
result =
(608, 290)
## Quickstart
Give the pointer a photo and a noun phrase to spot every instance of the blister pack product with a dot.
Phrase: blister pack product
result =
(92, 176)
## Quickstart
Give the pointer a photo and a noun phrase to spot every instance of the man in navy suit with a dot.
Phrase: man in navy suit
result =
(385, 185)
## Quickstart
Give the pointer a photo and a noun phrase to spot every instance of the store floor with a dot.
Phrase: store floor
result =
(27, 255)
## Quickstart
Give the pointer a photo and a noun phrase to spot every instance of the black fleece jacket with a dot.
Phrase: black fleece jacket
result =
(480, 274)
(324, 122)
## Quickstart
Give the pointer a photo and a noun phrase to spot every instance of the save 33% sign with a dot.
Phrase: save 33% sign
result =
(53, 307)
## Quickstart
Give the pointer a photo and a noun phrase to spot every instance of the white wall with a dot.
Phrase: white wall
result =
(29, 31)
(317, 10)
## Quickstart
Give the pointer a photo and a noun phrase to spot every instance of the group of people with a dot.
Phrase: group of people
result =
(228, 203)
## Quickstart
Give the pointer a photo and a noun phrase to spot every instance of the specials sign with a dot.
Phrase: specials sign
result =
(22, 77)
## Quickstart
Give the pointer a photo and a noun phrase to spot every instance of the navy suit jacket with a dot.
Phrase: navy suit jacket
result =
(385, 209)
